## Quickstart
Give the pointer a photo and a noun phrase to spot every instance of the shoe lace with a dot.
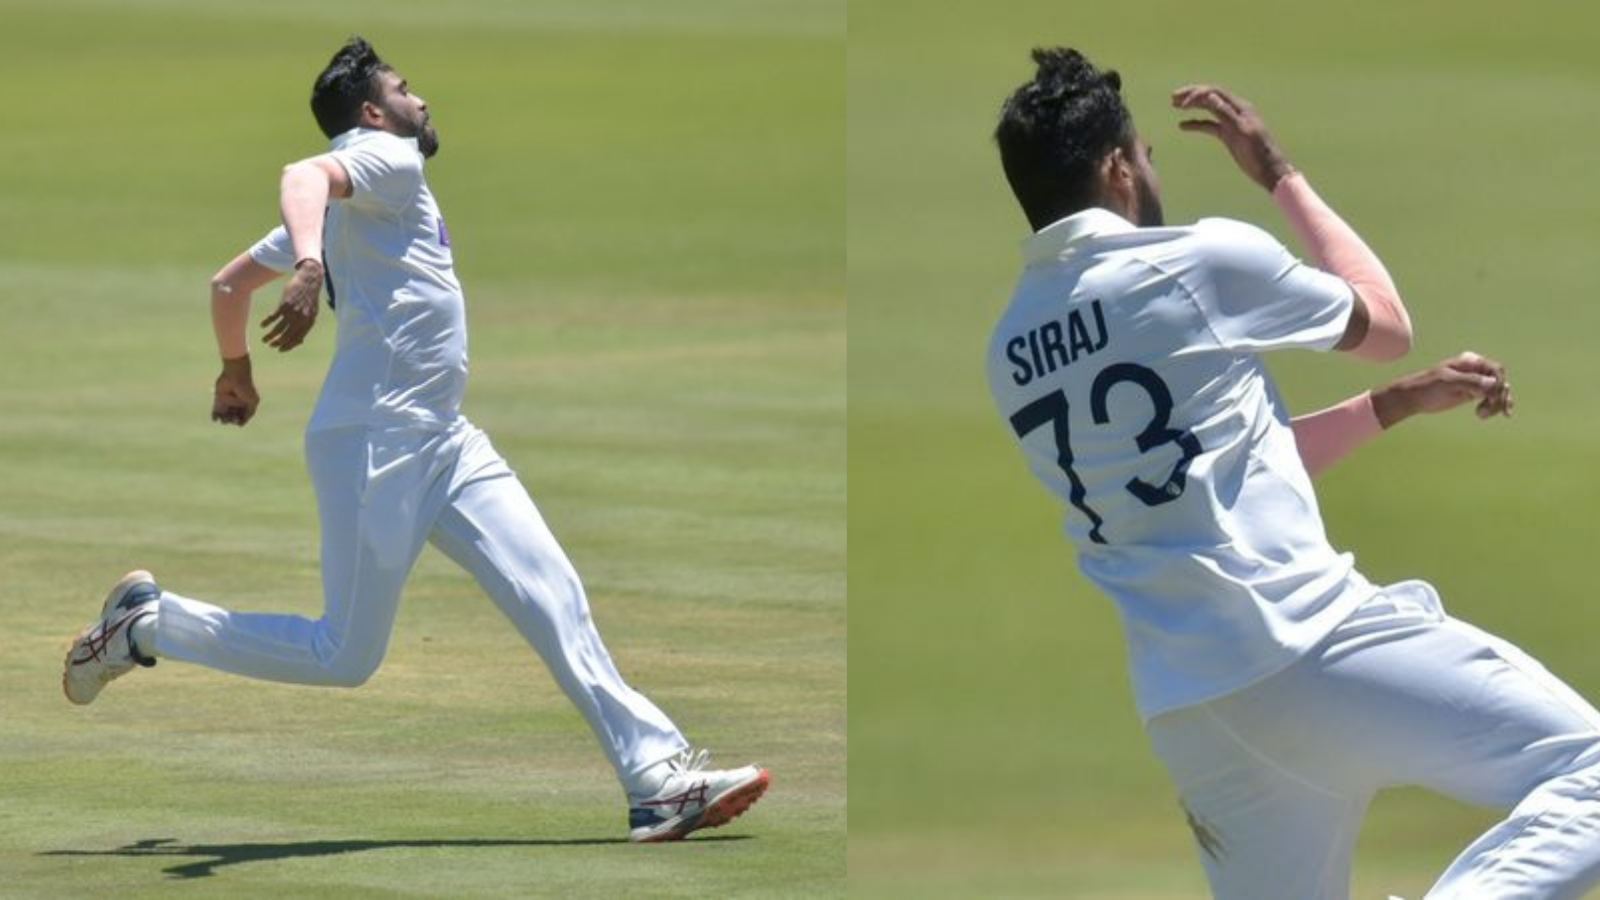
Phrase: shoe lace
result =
(692, 760)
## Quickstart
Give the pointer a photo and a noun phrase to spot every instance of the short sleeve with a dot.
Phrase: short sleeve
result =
(1256, 296)
(275, 251)
(384, 170)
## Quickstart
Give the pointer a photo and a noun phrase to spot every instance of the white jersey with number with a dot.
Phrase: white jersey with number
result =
(402, 346)
(1127, 368)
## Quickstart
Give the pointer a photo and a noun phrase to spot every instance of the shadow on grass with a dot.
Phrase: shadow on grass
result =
(218, 855)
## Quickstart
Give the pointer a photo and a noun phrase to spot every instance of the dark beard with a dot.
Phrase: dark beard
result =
(428, 142)
(427, 137)
(1149, 207)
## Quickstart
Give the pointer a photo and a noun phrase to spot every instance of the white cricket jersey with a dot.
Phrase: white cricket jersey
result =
(401, 357)
(1126, 366)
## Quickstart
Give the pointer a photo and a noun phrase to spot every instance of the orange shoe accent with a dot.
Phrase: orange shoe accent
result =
(722, 810)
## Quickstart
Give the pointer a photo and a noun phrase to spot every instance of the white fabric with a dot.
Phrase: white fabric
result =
(394, 464)
(402, 344)
(1276, 777)
(380, 494)
(1222, 573)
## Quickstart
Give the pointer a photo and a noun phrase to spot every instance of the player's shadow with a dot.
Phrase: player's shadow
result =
(216, 856)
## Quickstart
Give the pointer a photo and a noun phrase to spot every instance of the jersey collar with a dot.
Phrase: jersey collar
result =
(358, 133)
(1057, 238)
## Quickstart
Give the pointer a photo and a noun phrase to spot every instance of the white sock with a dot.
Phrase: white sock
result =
(142, 635)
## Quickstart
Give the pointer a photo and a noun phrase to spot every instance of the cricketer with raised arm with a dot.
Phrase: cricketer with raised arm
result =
(1279, 686)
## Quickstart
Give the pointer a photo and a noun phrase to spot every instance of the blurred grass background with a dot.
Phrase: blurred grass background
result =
(995, 749)
(647, 208)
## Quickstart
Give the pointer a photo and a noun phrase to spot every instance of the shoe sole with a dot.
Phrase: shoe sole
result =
(113, 597)
(724, 809)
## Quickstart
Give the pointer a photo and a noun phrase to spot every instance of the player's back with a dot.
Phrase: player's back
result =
(1126, 366)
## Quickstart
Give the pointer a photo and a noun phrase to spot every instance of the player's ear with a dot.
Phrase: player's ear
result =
(371, 115)
(1117, 168)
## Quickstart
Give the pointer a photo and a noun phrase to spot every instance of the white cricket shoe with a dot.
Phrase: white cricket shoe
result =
(103, 652)
(692, 797)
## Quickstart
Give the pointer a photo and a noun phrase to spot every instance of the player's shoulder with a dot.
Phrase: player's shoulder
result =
(1219, 230)
(376, 142)
(1206, 238)
(1231, 243)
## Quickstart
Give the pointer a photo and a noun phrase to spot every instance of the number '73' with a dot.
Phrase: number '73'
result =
(1052, 408)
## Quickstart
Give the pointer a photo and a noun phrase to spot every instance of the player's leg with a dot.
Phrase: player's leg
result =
(1402, 694)
(492, 528)
(371, 500)
(1538, 752)
(1265, 828)
(1544, 850)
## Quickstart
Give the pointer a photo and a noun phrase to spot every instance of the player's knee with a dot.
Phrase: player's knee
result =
(348, 671)
(344, 665)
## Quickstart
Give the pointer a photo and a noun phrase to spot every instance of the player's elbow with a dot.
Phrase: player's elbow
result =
(1396, 337)
(1385, 345)
(1405, 340)
(1380, 328)
(233, 278)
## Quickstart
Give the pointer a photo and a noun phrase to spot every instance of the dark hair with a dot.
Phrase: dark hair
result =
(1055, 130)
(350, 79)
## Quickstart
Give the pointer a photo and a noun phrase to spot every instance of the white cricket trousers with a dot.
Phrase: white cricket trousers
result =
(1276, 777)
(380, 494)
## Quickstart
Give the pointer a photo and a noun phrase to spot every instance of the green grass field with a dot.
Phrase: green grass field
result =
(994, 747)
(647, 207)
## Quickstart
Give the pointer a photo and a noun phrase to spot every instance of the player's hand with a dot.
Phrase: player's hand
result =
(1239, 127)
(234, 400)
(292, 320)
(1459, 379)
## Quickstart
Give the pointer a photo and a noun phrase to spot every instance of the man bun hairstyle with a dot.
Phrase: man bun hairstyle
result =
(350, 80)
(1056, 129)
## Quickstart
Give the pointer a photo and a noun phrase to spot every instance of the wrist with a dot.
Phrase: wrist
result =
(1279, 170)
(308, 262)
(1390, 405)
(236, 365)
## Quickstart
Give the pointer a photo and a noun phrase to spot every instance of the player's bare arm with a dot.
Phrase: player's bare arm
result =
(304, 192)
(1379, 328)
(1329, 435)
(1460, 379)
(234, 398)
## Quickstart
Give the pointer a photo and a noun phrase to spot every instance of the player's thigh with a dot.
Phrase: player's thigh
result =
(1263, 831)
(491, 528)
(337, 462)
(1517, 724)
(374, 507)
(1401, 694)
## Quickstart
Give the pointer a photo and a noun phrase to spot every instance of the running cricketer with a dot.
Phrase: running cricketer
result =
(393, 461)
(1280, 687)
